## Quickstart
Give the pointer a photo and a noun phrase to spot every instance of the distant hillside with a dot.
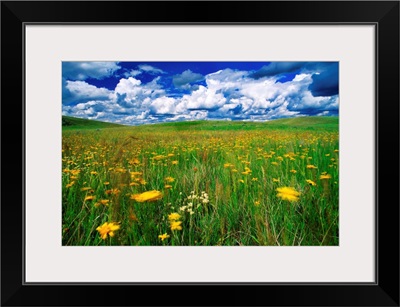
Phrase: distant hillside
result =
(69, 122)
(298, 123)
(329, 123)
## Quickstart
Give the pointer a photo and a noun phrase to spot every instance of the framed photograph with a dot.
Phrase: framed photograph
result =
(245, 149)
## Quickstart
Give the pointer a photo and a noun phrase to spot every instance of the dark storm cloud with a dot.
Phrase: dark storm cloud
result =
(276, 68)
(327, 82)
(85, 70)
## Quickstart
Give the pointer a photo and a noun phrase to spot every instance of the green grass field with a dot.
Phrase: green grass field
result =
(208, 183)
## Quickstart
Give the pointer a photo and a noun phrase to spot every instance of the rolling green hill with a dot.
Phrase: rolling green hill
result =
(298, 123)
(329, 123)
(69, 122)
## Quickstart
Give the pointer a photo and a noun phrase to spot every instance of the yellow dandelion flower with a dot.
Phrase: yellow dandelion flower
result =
(168, 186)
(288, 193)
(175, 162)
(274, 163)
(293, 171)
(133, 184)
(147, 196)
(310, 182)
(325, 176)
(93, 173)
(163, 236)
(106, 183)
(104, 202)
(70, 184)
(107, 229)
(176, 225)
(113, 191)
(310, 166)
(75, 172)
(169, 179)
(86, 189)
(90, 197)
(174, 216)
(254, 179)
(257, 203)
(275, 179)
(159, 157)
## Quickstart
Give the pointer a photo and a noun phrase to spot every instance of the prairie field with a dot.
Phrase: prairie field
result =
(202, 183)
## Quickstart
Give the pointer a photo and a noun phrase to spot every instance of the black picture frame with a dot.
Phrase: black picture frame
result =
(383, 14)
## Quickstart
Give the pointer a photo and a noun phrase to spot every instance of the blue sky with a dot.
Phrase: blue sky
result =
(137, 93)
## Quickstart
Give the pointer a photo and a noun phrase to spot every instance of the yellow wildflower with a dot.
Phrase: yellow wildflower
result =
(91, 197)
(288, 193)
(169, 179)
(75, 172)
(310, 182)
(163, 236)
(102, 202)
(147, 196)
(174, 216)
(107, 229)
(310, 166)
(176, 225)
(159, 157)
(325, 176)
(112, 191)
(70, 184)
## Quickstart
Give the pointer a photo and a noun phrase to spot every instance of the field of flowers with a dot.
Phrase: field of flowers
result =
(200, 184)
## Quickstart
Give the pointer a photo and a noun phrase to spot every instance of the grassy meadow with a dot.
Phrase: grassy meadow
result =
(201, 183)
